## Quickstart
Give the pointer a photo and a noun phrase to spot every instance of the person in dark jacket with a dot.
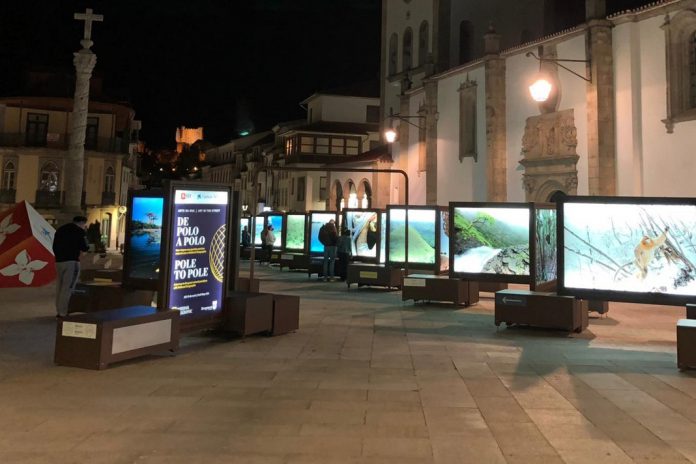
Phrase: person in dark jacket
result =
(70, 240)
(343, 249)
(328, 236)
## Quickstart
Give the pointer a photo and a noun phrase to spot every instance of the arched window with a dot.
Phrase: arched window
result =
(393, 53)
(109, 179)
(9, 176)
(423, 40)
(407, 62)
(364, 194)
(50, 177)
(466, 41)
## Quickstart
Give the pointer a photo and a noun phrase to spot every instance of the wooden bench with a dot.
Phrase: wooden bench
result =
(540, 309)
(374, 275)
(427, 287)
(686, 344)
(97, 339)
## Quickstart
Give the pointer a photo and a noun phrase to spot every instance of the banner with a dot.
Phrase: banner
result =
(198, 239)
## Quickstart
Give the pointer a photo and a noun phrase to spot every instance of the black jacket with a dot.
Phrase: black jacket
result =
(69, 241)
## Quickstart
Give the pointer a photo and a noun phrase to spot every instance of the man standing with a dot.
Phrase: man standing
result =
(268, 241)
(328, 236)
(70, 240)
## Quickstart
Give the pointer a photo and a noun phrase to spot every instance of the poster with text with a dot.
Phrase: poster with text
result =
(198, 238)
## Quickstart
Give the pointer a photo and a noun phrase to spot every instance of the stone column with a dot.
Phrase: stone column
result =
(496, 125)
(84, 62)
(430, 121)
(601, 140)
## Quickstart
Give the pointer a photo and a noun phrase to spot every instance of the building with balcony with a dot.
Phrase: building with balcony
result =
(34, 139)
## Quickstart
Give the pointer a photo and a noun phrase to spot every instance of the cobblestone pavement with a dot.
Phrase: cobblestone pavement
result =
(367, 379)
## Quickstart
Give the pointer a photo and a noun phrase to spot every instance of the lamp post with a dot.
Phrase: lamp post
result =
(542, 87)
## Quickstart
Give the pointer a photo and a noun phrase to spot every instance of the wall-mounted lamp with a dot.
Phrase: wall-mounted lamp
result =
(390, 133)
(542, 87)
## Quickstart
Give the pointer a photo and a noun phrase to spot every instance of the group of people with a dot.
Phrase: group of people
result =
(268, 239)
(335, 246)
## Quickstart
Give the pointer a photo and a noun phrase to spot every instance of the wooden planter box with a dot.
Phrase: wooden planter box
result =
(377, 275)
(691, 311)
(102, 296)
(248, 313)
(426, 287)
(537, 309)
(95, 340)
(286, 314)
(686, 344)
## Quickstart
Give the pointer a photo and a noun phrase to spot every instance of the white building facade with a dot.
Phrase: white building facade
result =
(479, 136)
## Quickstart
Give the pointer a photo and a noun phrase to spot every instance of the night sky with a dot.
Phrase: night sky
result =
(225, 65)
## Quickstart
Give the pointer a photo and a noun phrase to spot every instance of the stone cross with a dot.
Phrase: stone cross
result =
(88, 17)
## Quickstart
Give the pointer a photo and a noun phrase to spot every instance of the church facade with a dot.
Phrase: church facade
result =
(619, 118)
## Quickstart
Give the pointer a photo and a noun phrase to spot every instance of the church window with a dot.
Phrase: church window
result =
(423, 43)
(467, 120)
(109, 178)
(407, 62)
(680, 35)
(393, 53)
(9, 176)
(50, 175)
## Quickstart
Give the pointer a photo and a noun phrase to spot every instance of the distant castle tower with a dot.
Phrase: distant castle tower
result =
(187, 136)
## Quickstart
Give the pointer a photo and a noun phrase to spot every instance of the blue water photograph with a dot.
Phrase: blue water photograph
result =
(145, 237)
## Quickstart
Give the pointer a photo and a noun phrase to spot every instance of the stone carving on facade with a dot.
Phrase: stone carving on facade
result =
(549, 155)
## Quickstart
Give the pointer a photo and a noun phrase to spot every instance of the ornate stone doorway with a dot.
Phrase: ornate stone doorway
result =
(549, 156)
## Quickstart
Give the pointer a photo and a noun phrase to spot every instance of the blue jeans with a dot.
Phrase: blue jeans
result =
(329, 261)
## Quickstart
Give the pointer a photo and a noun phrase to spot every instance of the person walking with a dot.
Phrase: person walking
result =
(69, 241)
(268, 241)
(344, 251)
(246, 238)
(328, 236)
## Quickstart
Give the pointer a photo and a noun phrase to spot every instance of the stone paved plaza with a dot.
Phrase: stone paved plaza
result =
(367, 379)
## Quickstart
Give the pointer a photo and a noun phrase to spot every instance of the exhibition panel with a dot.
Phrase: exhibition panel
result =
(425, 237)
(243, 222)
(277, 220)
(143, 239)
(491, 241)
(633, 249)
(318, 219)
(296, 232)
(545, 249)
(365, 231)
(196, 260)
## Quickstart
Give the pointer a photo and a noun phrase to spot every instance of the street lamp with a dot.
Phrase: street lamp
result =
(542, 87)
(390, 133)
(540, 90)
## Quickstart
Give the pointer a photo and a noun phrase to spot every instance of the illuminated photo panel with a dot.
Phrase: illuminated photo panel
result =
(295, 234)
(145, 237)
(318, 220)
(643, 251)
(421, 237)
(492, 241)
(365, 232)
